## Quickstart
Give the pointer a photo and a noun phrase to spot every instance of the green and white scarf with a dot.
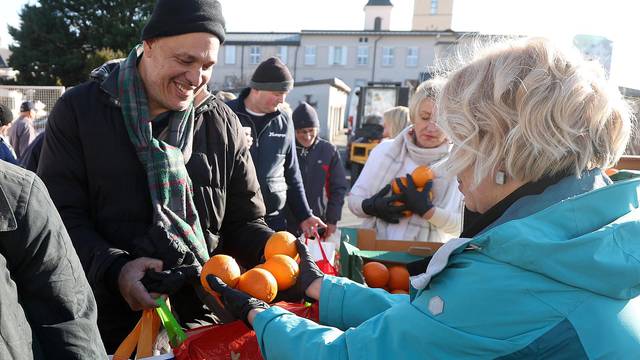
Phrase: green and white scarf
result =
(164, 162)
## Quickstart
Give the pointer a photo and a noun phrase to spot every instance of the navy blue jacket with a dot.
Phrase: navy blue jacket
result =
(274, 156)
(324, 179)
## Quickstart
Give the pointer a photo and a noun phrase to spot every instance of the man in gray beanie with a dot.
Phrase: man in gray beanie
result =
(273, 149)
(152, 174)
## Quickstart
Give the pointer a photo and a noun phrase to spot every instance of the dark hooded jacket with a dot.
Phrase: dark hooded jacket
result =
(100, 188)
(324, 178)
(274, 155)
(47, 309)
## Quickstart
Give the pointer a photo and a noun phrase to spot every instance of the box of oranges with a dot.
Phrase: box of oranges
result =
(360, 246)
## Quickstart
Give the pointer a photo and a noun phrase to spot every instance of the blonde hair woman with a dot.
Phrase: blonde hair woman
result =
(436, 217)
(554, 271)
(395, 120)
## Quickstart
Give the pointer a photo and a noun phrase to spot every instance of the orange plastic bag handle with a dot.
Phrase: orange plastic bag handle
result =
(142, 337)
(127, 346)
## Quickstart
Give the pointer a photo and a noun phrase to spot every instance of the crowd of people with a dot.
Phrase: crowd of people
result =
(143, 171)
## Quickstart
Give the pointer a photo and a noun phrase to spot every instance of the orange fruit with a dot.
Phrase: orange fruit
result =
(405, 213)
(259, 283)
(398, 278)
(611, 171)
(223, 266)
(421, 175)
(375, 274)
(281, 242)
(284, 269)
(395, 188)
(399, 291)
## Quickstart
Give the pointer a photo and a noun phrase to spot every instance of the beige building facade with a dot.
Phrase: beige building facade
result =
(432, 15)
(355, 57)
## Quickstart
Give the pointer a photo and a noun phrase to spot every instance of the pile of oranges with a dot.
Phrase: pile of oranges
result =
(279, 272)
(394, 278)
(421, 176)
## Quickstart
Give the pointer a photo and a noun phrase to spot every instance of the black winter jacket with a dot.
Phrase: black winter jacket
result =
(100, 188)
(324, 179)
(274, 155)
(47, 309)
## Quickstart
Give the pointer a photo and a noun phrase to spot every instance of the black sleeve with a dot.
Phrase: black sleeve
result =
(296, 197)
(244, 231)
(337, 188)
(53, 289)
(62, 169)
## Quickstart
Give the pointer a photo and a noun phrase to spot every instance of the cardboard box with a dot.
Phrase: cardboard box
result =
(367, 241)
(628, 162)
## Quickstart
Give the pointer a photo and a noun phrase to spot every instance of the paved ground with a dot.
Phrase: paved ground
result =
(348, 219)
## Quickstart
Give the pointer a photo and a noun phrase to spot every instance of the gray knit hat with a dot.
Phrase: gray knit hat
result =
(272, 75)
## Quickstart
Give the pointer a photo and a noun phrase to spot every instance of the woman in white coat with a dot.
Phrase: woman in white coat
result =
(436, 217)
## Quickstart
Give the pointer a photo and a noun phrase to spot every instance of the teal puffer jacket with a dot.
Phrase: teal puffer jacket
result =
(557, 276)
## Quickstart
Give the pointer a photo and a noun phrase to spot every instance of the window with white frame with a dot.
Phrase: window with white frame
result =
(230, 54)
(412, 57)
(254, 55)
(337, 55)
(363, 55)
(309, 55)
(283, 52)
(434, 7)
(387, 56)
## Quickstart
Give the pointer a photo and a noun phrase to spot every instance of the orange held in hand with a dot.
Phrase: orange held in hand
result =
(394, 186)
(398, 278)
(281, 242)
(259, 283)
(223, 266)
(422, 175)
(284, 269)
(375, 274)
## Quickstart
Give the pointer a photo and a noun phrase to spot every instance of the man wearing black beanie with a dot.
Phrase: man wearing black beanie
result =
(152, 174)
(322, 172)
(273, 148)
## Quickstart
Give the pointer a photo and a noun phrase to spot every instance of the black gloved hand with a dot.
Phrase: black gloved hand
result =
(235, 301)
(419, 202)
(170, 281)
(309, 272)
(383, 207)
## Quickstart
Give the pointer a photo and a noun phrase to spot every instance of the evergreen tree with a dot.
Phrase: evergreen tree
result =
(58, 38)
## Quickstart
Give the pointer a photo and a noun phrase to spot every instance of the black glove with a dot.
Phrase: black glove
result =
(170, 281)
(235, 301)
(419, 202)
(383, 207)
(309, 272)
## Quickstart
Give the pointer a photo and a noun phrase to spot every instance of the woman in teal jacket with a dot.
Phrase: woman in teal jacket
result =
(551, 267)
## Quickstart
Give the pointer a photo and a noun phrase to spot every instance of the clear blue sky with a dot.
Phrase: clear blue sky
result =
(615, 19)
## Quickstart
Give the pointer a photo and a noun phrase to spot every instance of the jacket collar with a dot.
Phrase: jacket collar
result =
(7, 218)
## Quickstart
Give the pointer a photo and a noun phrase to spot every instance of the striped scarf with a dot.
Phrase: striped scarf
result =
(169, 184)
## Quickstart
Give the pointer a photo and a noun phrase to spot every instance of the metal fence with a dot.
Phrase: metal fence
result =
(13, 96)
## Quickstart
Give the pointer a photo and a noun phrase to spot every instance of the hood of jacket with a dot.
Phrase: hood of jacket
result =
(588, 241)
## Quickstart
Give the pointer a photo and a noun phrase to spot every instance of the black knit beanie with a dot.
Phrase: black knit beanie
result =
(177, 17)
(272, 75)
(305, 116)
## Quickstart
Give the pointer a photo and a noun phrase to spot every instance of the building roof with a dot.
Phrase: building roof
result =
(379, 3)
(260, 38)
(335, 82)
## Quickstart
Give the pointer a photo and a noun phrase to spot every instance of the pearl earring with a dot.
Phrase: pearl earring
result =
(500, 177)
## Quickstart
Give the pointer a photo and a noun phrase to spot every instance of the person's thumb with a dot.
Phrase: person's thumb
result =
(216, 284)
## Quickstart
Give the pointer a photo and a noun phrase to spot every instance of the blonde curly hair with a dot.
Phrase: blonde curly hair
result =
(532, 109)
